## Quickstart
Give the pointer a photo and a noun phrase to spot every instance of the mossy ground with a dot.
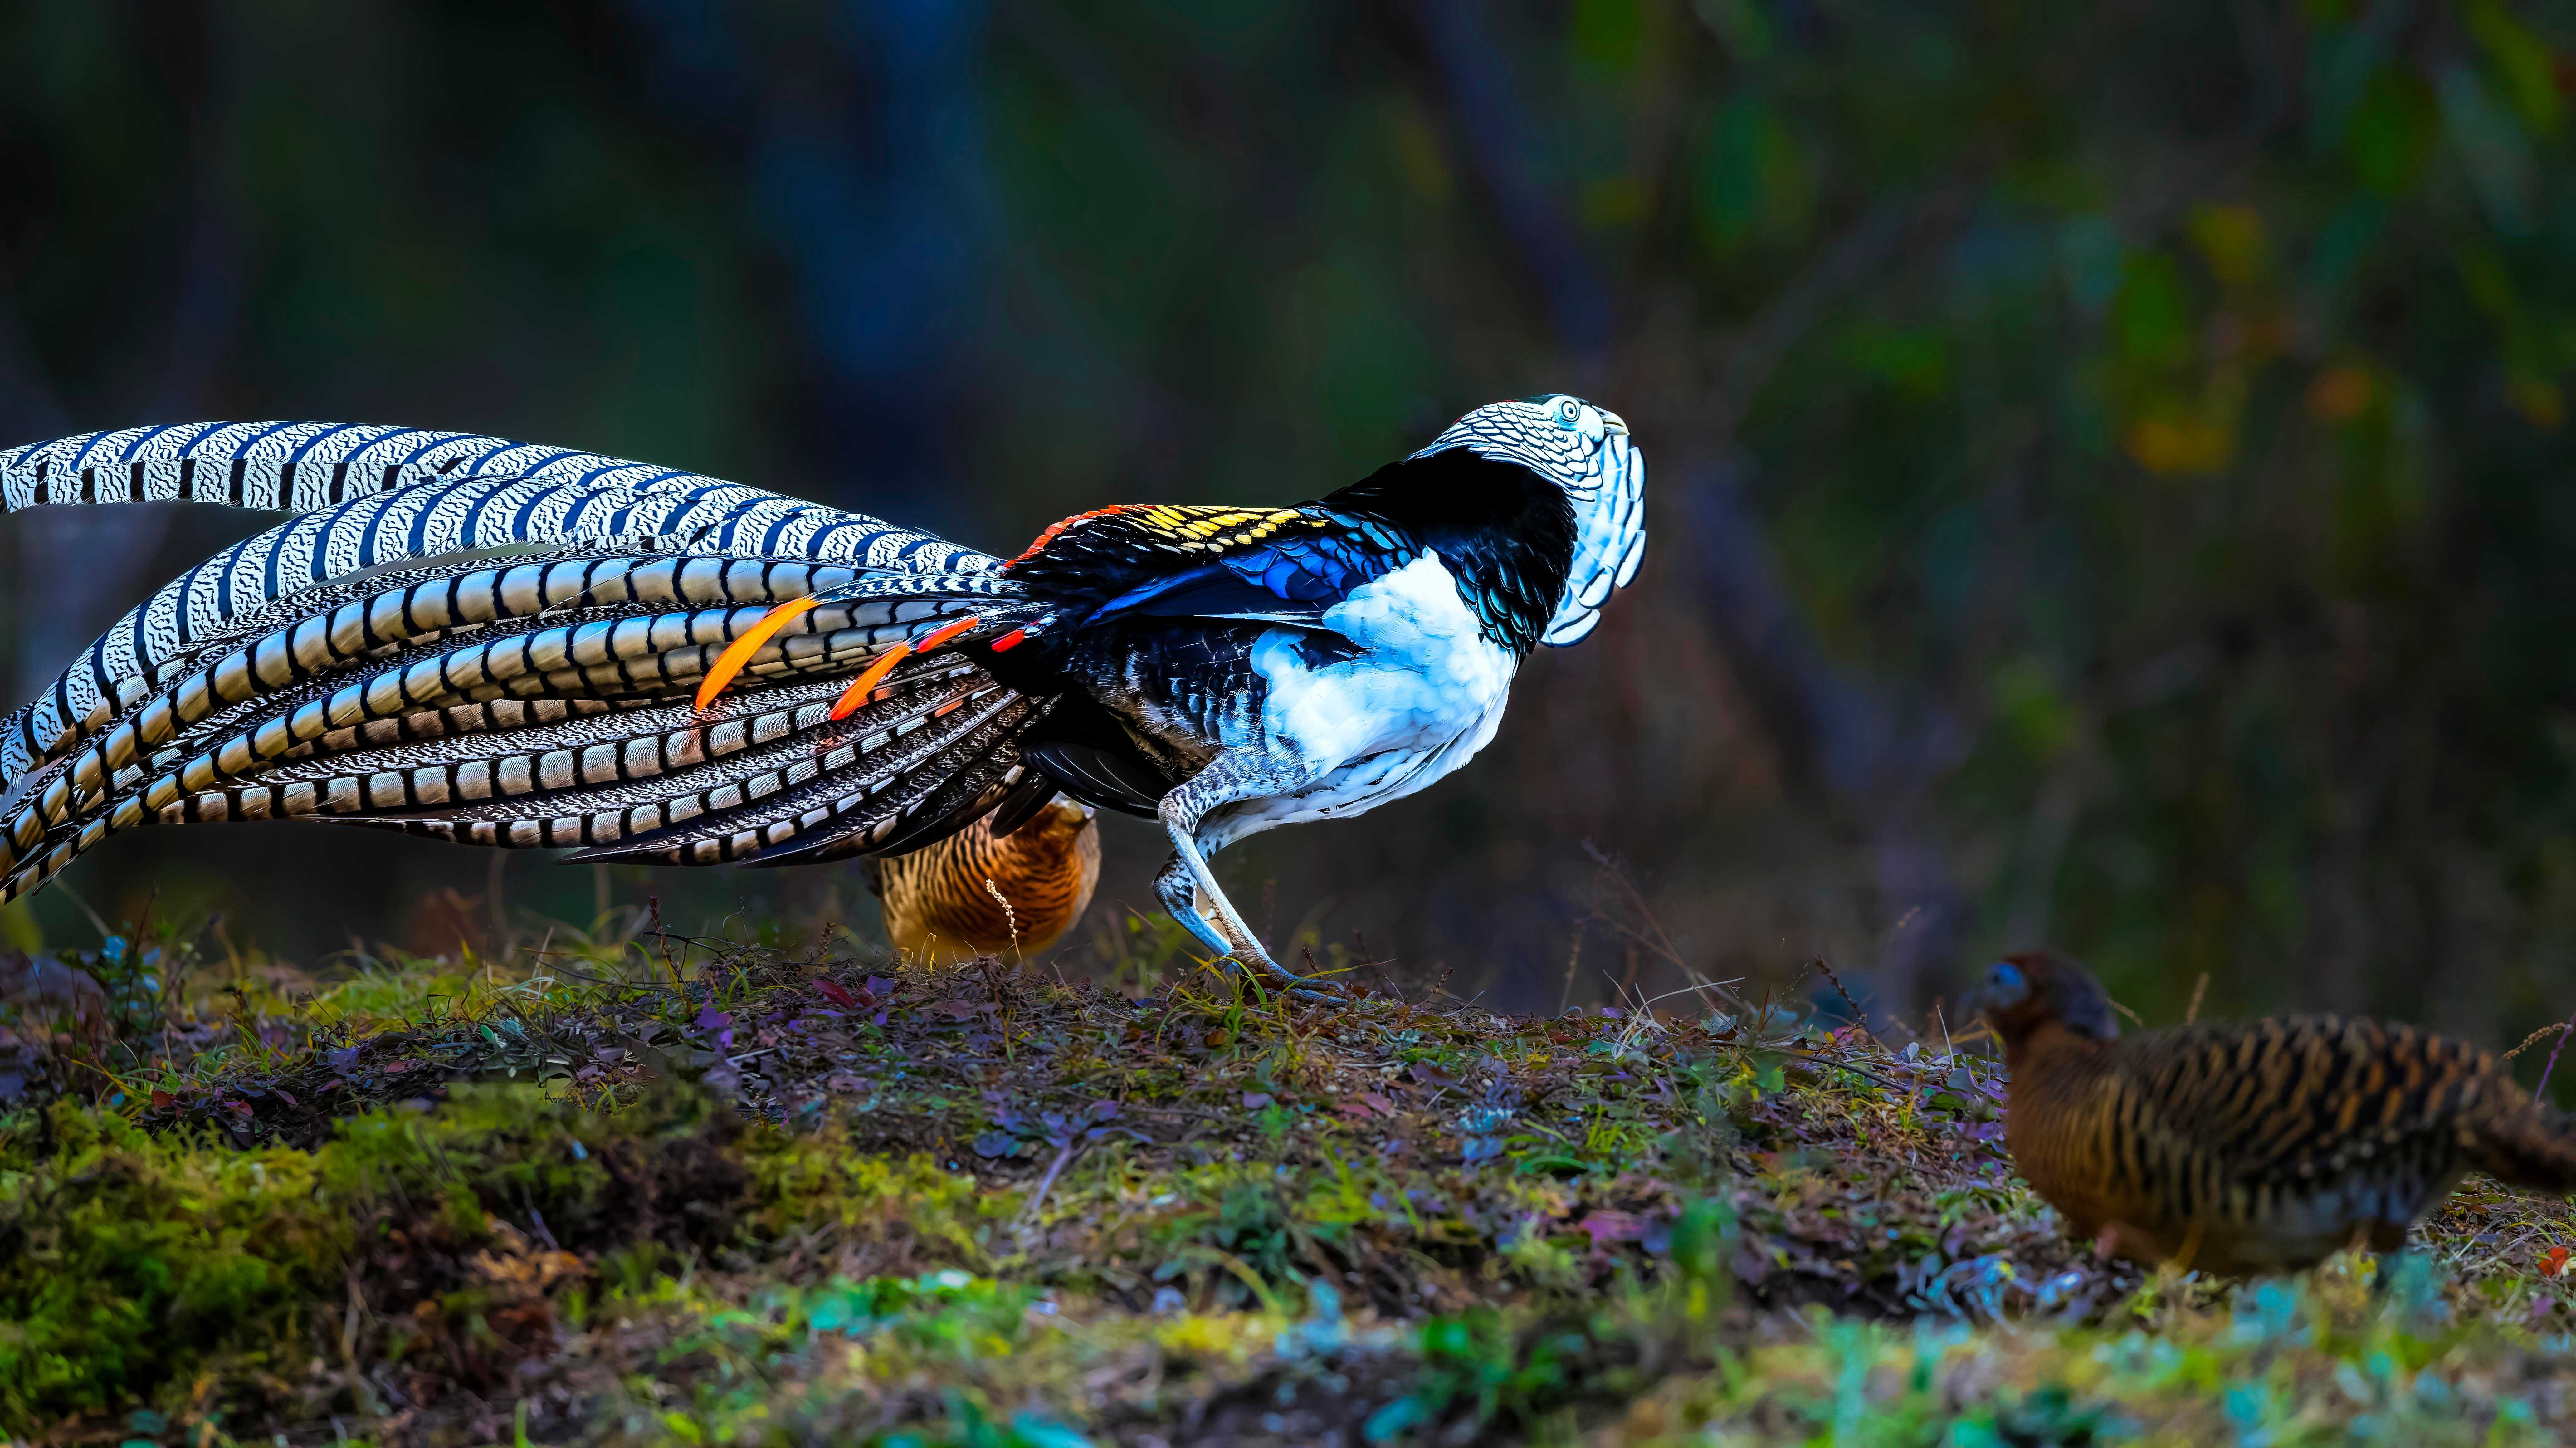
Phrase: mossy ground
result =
(710, 1191)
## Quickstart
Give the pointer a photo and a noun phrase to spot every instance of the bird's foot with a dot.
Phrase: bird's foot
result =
(1178, 887)
(1254, 960)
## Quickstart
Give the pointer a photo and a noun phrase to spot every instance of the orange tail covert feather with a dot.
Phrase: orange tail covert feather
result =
(857, 694)
(739, 652)
(945, 632)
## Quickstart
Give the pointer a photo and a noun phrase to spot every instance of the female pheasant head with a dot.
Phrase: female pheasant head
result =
(2023, 994)
(1586, 452)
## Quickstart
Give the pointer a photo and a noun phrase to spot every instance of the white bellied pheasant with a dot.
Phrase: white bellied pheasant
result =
(2254, 1146)
(498, 643)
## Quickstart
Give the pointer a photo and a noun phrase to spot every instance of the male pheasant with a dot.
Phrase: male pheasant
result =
(975, 894)
(2250, 1147)
(502, 644)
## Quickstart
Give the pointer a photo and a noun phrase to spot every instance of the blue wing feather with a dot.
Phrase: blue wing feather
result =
(1285, 580)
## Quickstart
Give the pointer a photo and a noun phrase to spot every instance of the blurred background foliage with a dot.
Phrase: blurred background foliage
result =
(2111, 461)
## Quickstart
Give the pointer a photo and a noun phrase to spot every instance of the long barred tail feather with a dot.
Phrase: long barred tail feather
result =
(743, 793)
(370, 660)
(373, 662)
(1031, 790)
(371, 496)
(973, 779)
(852, 788)
(766, 771)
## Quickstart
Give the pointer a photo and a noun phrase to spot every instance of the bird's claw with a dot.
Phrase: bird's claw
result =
(1281, 978)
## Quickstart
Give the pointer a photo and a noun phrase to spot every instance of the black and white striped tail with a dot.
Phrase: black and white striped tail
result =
(371, 496)
(350, 665)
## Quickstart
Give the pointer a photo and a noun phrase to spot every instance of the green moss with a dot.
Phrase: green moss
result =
(821, 1182)
(134, 1263)
(2319, 1361)
(132, 1260)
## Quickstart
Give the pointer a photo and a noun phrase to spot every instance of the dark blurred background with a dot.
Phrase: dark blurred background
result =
(2110, 460)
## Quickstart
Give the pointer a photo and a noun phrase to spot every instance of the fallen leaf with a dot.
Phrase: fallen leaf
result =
(1604, 1227)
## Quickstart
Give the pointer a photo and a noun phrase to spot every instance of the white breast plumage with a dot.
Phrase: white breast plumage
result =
(1422, 695)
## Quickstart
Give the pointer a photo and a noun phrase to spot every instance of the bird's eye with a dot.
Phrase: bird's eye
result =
(1567, 409)
(2005, 982)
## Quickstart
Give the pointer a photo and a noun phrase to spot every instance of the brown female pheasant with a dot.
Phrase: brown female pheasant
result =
(2245, 1147)
(977, 894)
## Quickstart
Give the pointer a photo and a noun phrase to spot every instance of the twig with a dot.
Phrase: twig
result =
(2192, 1012)
(2534, 1036)
(2540, 1091)
(1860, 1017)
(1029, 1213)
(104, 929)
(634, 985)
(1648, 935)
(349, 1320)
(1010, 917)
(1837, 1063)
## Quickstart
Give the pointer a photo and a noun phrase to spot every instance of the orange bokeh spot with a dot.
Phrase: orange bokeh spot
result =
(2340, 394)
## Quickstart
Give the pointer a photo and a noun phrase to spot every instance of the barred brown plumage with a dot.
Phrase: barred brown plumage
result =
(2251, 1146)
(940, 908)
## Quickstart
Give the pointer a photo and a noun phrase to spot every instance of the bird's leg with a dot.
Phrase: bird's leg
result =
(1192, 903)
(2190, 1248)
(1188, 887)
(1178, 888)
(1183, 896)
